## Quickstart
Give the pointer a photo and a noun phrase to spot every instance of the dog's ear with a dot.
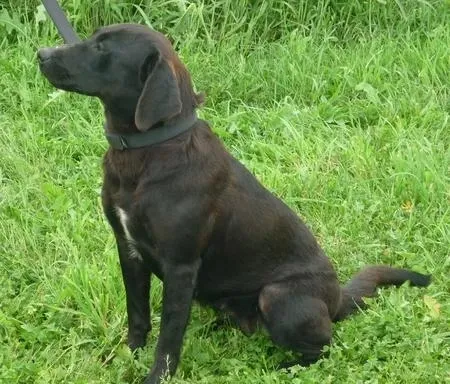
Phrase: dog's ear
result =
(160, 98)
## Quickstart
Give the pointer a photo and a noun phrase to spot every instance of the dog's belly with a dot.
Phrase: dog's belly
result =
(221, 277)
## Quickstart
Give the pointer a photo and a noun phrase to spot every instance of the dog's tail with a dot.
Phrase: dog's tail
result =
(365, 283)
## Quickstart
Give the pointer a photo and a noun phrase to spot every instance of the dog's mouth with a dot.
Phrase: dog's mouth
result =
(61, 78)
(51, 67)
(53, 73)
(57, 75)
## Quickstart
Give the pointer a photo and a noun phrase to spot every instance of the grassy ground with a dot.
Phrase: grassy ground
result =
(340, 108)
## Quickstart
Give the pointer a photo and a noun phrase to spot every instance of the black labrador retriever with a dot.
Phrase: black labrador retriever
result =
(184, 209)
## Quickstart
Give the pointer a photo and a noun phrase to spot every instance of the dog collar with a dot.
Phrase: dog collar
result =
(153, 136)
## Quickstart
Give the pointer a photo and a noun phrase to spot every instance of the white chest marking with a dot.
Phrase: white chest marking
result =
(123, 218)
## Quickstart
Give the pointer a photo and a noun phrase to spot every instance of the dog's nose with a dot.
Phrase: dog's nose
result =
(44, 53)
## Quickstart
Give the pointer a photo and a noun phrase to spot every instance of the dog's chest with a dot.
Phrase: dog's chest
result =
(124, 221)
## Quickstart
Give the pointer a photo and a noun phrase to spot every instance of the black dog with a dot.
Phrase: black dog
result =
(182, 208)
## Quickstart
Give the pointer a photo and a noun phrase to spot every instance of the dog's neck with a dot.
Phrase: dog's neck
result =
(119, 125)
(124, 125)
(124, 135)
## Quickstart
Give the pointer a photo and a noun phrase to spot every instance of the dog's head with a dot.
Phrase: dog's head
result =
(131, 68)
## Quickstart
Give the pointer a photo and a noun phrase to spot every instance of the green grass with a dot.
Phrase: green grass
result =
(341, 108)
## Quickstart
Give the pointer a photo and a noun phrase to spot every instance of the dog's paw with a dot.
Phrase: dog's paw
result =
(157, 376)
(137, 340)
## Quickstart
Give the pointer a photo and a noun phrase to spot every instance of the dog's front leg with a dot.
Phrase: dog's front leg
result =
(178, 290)
(136, 278)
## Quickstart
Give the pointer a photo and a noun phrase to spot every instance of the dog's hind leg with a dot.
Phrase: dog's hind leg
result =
(295, 319)
(238, 311)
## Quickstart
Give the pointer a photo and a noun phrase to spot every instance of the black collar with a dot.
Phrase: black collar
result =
(153, 136)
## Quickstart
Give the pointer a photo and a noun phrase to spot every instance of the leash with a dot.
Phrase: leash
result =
(60, 20)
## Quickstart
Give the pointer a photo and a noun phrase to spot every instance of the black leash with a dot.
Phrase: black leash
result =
(60, 20)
